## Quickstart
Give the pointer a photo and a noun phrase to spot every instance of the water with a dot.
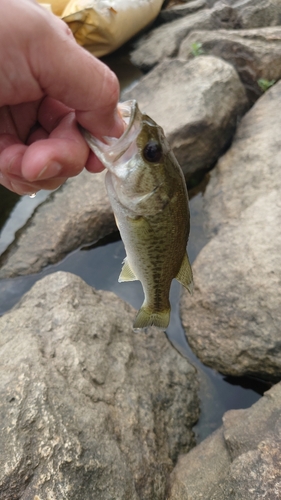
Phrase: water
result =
(21, 208)
(99, 265)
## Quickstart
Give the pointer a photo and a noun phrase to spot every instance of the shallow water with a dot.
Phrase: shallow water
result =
(99, 265)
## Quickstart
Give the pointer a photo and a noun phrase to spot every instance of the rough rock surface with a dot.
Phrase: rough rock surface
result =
(254, 53)
(253, 14)
(233, 320)
(198, 117)
(79, 212)
(251, 167)
(165, 40)
(88, 409)
(181, 10)
(239, 461)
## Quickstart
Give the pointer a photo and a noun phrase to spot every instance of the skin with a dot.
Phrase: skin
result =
(48, 85)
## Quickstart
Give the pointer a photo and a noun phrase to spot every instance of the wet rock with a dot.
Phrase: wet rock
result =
(78, 213)
(88, 408)
(164, 41)
(251, 167)
(233, 320)
(240, 460)
(200, 116)
(254, 53)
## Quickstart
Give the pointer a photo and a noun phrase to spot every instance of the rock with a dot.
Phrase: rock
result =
(199, 116)
(164, 41)
(88, 408)
(233, 320)
(180, 10)
(78, 213)
(254, 53)
(251, 167)
(197, 472)
(253, 14)
(239, 461)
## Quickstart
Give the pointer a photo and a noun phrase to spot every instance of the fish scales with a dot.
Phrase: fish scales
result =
(148, 195)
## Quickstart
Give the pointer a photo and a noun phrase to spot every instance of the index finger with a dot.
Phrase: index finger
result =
(78, 79)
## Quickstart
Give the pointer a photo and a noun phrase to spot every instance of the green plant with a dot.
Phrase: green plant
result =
(265, 84)
(196, 49)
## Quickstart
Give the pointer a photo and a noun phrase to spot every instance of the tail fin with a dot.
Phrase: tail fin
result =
(147, 317)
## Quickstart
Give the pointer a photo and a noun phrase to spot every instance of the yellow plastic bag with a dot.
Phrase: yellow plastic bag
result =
(102, 26)
(56, 6)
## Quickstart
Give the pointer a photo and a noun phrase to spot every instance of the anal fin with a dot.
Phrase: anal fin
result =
(185, 276)
(126, 273)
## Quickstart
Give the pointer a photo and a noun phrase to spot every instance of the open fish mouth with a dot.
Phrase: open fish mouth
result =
(111, 149)
(128, 110)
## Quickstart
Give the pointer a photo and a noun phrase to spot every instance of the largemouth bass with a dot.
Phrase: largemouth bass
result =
(148, 195)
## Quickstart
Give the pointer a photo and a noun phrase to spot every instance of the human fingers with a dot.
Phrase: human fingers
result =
(44, 59)
(11, 171)
(50, 113)
(20, 187)
(63, 155)
(78, 79)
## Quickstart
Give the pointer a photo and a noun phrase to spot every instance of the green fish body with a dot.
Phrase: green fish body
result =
(148, 195)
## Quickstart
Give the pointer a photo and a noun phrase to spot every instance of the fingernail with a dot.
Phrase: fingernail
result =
(14, 166)
(119, 123)
(52, 169)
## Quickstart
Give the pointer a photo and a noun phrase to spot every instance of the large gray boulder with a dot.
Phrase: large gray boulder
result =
(78, 213)
(180, 10)
(197, 103)
(233, 320)
(88, 409)
(251, 167)
(255, 54)
(253, 14)
(164, 41)
(239, 461)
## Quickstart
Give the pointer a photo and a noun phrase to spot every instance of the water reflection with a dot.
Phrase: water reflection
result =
(17, 212)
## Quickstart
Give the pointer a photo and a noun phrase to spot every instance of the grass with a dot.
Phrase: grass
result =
(196, 49)
(265, 84)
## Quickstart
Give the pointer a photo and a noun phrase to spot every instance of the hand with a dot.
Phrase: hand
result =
(48, 84)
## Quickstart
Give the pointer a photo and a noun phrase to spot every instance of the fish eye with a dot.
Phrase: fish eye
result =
(152, 152)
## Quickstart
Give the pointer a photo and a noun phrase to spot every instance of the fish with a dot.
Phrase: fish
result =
(149, 199)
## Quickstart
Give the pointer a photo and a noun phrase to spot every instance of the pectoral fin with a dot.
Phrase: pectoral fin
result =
(185, 276)
(126, 273)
